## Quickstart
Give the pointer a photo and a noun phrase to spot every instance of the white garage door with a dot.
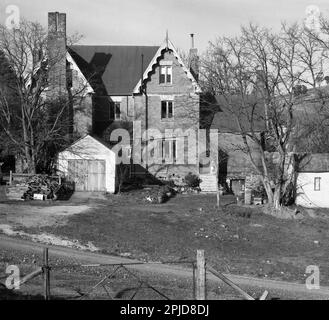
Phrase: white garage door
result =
(88, 175)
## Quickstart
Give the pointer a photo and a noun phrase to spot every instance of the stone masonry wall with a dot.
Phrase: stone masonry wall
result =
(185, 113)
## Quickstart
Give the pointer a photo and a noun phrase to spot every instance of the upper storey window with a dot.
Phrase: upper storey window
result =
(165, 74)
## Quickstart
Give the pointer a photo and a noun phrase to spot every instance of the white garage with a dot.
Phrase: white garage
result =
(90, 164)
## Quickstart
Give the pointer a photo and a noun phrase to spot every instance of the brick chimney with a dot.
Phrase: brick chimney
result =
(194, 59)
(57, 53)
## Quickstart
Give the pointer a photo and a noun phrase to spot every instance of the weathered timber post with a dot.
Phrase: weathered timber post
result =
(46, 275)
(194, 280)
(200, 276)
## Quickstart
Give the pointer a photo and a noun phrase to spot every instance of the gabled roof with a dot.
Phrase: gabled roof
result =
(93, 140)
(115, 69)
(167, 44)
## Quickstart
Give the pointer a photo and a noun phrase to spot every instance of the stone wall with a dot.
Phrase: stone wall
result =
(186, 108)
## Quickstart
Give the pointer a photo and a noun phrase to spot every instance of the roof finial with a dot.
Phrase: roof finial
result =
(167, 39)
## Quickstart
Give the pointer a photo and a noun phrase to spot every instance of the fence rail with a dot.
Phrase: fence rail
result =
(200, 269)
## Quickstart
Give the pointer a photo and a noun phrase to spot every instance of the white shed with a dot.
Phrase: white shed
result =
(90, 164)
(313, 181)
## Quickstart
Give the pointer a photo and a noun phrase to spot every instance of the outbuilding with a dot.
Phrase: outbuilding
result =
(90, 164)
(313, 181)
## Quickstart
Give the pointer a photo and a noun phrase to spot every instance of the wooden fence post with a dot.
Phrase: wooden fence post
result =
(200, 276)
(194, 281)
(10, 178)
(46, 275)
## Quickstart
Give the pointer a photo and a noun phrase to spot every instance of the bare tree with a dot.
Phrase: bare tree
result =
(33, 123)
(256, 74)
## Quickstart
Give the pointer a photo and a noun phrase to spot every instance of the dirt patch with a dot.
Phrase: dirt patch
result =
(31, 216)
(48, 239)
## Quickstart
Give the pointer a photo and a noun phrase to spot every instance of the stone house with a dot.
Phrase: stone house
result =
(137, 88)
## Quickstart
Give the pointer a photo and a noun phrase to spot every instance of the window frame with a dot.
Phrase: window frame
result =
(117, 106)
(317, 184)
(166, 74)
(171, 144)
(167, 102)
(113, 111)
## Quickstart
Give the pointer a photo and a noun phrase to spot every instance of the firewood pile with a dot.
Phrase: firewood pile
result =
(42, 185)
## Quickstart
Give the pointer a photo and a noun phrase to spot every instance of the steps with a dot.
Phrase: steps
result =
(209, 183)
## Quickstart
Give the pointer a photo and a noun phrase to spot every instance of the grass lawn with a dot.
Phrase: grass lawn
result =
(238, 240)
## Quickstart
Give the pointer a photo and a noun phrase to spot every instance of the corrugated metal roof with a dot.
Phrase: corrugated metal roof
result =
(115, 69)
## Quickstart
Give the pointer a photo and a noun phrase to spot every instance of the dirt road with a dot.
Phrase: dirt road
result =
(277, 289)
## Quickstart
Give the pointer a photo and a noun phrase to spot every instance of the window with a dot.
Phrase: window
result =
(166, 109)
(167, 150)
(115, 113)
(317, 181)
(166, 74)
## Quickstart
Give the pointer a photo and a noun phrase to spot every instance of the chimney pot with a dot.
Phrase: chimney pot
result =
(192, 40)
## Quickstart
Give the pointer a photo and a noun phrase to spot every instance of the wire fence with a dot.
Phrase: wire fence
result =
(123, 281)
(77, 281)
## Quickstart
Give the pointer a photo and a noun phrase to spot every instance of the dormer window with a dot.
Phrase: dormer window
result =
(165, 74)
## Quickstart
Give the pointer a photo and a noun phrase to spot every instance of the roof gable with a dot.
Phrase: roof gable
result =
(167, 44)
(113, 69)
(88, 145)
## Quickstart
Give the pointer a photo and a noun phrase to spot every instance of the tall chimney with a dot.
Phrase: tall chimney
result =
(57, 54)
(194, 59)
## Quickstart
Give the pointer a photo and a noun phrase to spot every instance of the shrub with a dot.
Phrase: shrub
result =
(169, 183)
(192, 180)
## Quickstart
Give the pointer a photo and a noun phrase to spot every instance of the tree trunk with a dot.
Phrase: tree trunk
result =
(31, 166)
(277, 197)
(268, 189)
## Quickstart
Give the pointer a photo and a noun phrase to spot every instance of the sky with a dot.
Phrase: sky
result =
(144, 22)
